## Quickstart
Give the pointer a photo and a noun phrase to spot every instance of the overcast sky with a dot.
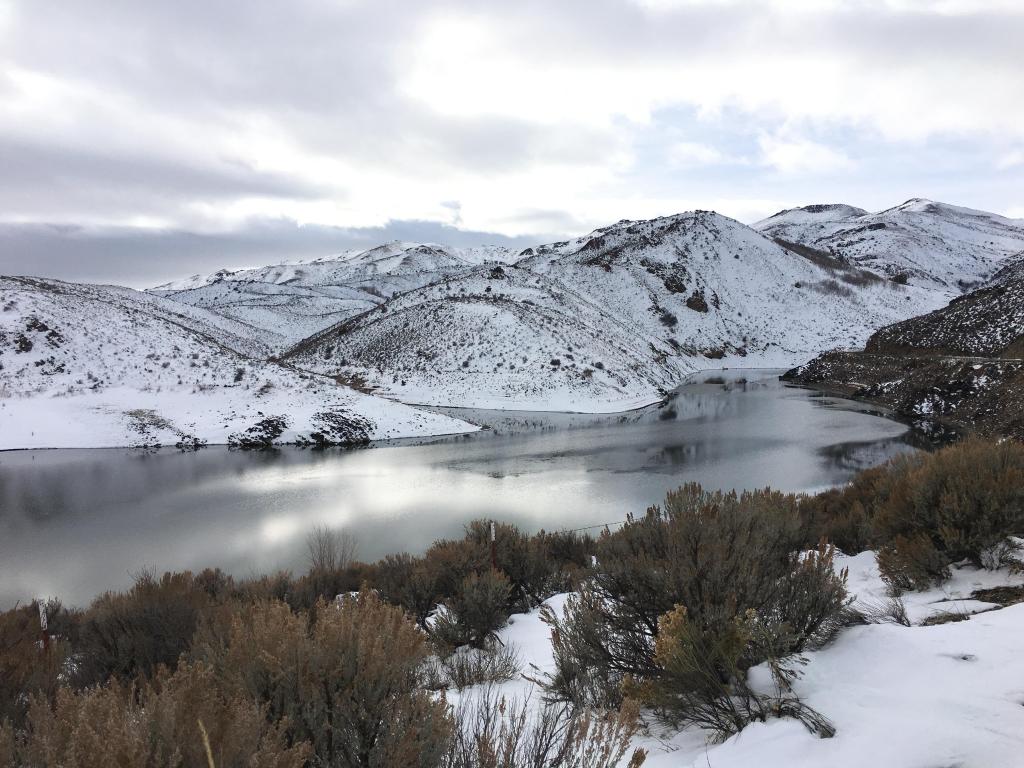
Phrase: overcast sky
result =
(141, 141)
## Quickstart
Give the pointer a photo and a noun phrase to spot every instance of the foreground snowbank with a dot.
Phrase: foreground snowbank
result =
(944, 695)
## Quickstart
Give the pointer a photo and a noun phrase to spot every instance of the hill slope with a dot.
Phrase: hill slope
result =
(960, 365)
(609, 320)
(988, 322)
(90, 366)
(933, 244)
(288, 302)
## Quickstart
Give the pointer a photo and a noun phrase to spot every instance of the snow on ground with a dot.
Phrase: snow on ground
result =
(903, 697)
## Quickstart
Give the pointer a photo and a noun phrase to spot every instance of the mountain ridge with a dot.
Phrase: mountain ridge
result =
(928, 243)
(663, 297)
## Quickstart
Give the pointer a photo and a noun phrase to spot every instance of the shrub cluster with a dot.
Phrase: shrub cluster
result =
(276, 688)
(926, 511)
(343, 679)
(722, 574)
(197, 669)
(478, 599)
(24, 670)
(179, 718)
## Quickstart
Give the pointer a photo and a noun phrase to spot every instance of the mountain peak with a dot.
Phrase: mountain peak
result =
(809, 214)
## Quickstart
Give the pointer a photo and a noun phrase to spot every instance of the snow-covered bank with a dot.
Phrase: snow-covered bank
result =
(92, 366)
(122, 416)
(949, 694)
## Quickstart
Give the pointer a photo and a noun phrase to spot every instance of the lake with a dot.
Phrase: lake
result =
(76, 522)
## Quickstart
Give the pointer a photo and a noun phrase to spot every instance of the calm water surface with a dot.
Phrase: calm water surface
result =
(76, 522)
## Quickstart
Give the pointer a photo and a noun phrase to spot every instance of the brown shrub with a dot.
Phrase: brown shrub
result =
(912, 562)
(536, 567)
(275, 586)
(464, 667)
(167, 723)
(702, 679)
(347, 682)
(475, 612)
(129, 634)
(8, 744)
(960, 503)
(721, 557)
(925, 511)
(493, 732)
(407, 581)
(843, 516)
(25, 668)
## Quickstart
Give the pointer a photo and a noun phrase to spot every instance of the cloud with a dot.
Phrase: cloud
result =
(1011, 159)
(692, 154)
(114, 254)
(801, 156)
(537, 117)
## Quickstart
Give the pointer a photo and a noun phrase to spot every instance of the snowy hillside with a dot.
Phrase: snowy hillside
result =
(609, 320)
(934, 244)
(291, 301)
(987, 322)
(89, 365)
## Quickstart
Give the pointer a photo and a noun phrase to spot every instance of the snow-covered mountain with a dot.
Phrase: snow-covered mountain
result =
(600, 323)
(291, 301)
(609, 320)
(92, 365)
(932, 244)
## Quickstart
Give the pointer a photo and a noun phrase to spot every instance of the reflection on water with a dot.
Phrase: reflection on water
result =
(73, 523)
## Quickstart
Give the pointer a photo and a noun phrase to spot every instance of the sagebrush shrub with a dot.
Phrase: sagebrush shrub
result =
(407, 581)
(702, 674)
(926, 511)
(475, 612)
(25, 668)
(721, 557)
(559, 559)
(912, 562)
(347, 682)
(844, 516)
(333, 569)
(130, 634)
(165, 724)
(494, 732)
(461, 668)
(967, 499)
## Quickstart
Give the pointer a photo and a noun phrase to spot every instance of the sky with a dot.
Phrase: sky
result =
(143, 141)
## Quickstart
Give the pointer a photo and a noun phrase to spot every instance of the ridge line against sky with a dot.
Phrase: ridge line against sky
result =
(144, 141)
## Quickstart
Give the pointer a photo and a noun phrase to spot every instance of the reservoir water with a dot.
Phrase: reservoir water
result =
(76, 522)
